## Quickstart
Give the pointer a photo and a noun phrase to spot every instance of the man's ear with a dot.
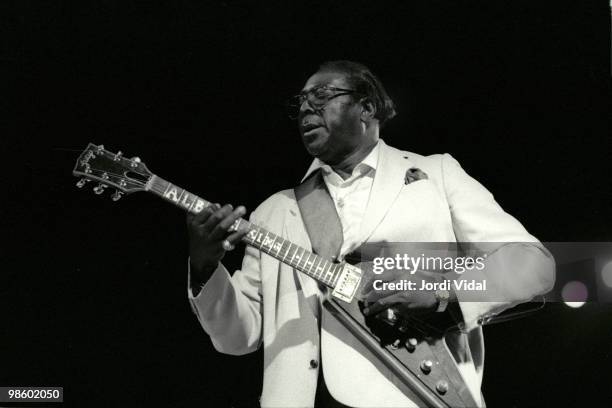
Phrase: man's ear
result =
(368, 110)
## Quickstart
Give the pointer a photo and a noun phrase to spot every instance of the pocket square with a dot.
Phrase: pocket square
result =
(414, 174)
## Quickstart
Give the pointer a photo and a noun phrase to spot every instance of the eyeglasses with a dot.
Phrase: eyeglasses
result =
(318, 97)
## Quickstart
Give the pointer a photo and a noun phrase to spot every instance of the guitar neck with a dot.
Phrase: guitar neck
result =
(313, 265)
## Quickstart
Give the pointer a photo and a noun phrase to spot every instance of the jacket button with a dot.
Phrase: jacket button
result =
(314, 363)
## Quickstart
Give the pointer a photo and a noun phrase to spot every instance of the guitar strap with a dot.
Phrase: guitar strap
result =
(320, 217)
(325, 231)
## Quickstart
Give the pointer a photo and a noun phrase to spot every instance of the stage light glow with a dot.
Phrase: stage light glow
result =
(574, 294)
(606, 274)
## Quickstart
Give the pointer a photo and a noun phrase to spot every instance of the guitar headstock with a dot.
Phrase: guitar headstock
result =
(111, 169)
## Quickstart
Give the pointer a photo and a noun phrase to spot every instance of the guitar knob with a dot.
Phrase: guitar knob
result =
(411, 344)
(116, 195)
(82, 182)
(442, 387)
(99, 189)
(426, 366)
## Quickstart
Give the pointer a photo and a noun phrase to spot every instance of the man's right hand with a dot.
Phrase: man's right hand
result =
(208, 231)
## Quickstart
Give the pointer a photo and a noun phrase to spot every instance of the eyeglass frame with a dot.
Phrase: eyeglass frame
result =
(296, 101)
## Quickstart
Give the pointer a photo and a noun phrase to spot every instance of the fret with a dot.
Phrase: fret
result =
(329, 272)
(337, 270)
(321, 269)
(299, 259)
(252, 235)
(280, 247)
(286, 253)
(306, 262)
(293, 257)
(258, 237)
(266, 240)
(248, 237)
(296, 258)
(262, 240)
(326, 265)
(318, 267)
(312, 264)
(273, 238)
(325, 276)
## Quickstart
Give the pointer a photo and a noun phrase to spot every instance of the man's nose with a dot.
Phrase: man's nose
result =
(306, 107)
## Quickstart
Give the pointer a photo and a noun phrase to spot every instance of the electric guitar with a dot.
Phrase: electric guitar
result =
(413, 354)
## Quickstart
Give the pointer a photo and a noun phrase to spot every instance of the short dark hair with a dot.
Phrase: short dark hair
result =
(364, 82)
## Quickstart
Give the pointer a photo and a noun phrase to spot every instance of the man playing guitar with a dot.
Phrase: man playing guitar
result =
(379, 193)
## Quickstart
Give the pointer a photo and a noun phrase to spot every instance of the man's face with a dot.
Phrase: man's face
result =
(334, 131)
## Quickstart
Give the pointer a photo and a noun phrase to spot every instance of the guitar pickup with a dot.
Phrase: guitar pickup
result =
(348, 283)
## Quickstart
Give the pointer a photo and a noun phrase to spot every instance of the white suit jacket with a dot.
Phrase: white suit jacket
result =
(269, 303)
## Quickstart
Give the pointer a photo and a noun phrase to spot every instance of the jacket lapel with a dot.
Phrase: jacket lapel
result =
(388, 182)
(295, 231)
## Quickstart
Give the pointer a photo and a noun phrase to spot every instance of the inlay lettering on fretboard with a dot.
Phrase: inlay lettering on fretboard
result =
(266, 241)
(184, 199)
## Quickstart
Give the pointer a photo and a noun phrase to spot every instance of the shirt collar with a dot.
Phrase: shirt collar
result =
(370, 161)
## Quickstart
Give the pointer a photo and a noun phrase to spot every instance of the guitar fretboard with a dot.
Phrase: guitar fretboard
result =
(272, 244)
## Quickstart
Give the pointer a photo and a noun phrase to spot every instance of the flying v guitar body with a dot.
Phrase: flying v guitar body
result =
(412, 356)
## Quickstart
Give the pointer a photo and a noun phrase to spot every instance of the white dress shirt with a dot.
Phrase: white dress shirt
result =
(350, 196)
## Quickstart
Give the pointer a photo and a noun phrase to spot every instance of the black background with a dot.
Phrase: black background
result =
(94, 292)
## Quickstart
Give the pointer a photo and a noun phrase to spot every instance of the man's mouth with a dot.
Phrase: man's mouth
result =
(307, 127)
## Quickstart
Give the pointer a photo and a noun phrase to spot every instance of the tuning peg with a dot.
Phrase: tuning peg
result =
(82, 182)
(100, 149)
(135, 160)
(99, 189)
(116, 195)
(118, 156)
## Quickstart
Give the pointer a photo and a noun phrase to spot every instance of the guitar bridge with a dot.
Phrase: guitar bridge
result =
(348, 283)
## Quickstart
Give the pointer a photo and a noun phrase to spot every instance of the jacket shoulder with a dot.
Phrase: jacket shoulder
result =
(277, 202)
(432, 164)
(435, 159)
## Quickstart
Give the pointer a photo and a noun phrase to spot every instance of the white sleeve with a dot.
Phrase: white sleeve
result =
(229, 308)
(518, 266)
